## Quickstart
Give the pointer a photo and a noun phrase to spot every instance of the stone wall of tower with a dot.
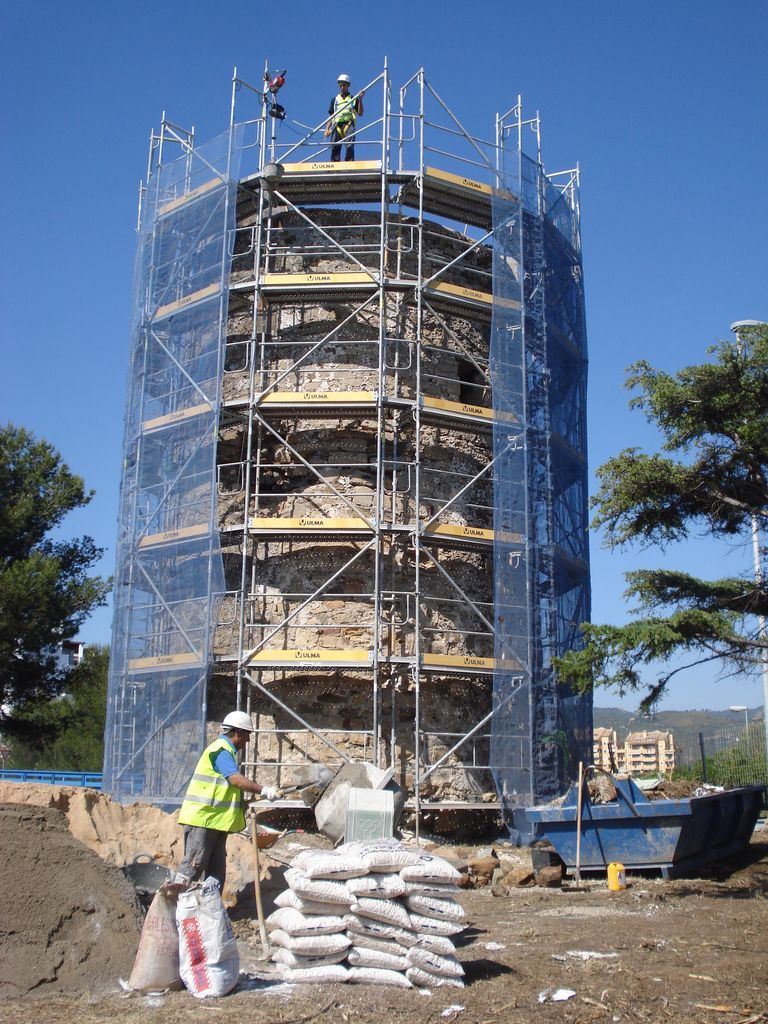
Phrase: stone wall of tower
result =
(374, 481)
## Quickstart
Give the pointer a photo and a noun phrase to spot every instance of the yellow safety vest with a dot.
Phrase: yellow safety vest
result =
(344, 109)
(210, 801)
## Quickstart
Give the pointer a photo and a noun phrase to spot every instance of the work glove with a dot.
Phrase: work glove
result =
(269, 792)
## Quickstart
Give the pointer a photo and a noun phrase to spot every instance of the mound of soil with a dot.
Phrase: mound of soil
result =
(118, 833)
(69, 921)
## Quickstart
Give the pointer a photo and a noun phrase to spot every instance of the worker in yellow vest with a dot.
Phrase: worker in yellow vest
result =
(213, 805)
(343, 113)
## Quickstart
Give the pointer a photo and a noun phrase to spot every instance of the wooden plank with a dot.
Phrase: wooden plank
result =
(174, 204)
(169, 536)
(188, 300)
(176, 417)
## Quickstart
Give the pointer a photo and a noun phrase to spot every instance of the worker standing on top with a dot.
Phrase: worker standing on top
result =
(344, 112)
(213, 805)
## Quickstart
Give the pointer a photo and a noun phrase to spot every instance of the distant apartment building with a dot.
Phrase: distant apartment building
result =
(649, 753)
(69, 653)
(605, 749)
(642, 753)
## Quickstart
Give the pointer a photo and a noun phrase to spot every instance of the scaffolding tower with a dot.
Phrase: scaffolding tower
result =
(354, 484)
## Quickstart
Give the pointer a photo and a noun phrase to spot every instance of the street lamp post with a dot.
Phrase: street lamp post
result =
(738, 328)
(741, 707)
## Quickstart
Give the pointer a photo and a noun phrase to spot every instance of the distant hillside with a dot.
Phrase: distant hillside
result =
(684, 725)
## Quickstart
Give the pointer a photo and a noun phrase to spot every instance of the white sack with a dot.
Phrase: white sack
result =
(319, 889)
(432, 906)
(377, 976)
(157, 959)
(329, 864)
(431, 869)
(359, 956)
(311, 945)
(290, 959)
(295, 923)
(316, 975)
(289, 898)
(423, 925)
(426, 980)
(209, 961)
(387, 911)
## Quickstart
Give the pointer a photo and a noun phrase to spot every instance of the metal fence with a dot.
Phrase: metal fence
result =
(731, 756)
(90, 780)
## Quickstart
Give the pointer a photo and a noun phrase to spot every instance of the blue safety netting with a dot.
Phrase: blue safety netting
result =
(540, 730)
(510, 733)
(169, 574)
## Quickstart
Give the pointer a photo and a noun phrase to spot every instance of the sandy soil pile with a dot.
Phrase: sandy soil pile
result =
(69, 920)
(118, 833)
(115, 831)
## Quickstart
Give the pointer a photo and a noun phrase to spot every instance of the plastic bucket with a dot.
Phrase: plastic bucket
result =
(617, 877)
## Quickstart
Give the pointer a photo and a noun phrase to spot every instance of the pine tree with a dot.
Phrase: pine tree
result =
(46, 592)
(710, 478)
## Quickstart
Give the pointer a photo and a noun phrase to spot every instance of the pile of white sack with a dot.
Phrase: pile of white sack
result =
(372, 912)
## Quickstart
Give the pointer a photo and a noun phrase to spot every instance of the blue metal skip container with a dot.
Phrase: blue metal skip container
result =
(673, 836)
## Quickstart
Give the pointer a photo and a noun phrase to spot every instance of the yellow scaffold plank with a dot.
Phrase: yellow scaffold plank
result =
(471, 295)
(166, 662)
(188, 300)
(458, 408)
(343, 279)
(176, 417)
(169, 536)
(460, 531)
(319, 398)
(338, 168)
(312, 656)
(466, 411)
(476, 533)
(467, 184)
(194, 194)
(459, 181)
(458, 661)
(311, 523)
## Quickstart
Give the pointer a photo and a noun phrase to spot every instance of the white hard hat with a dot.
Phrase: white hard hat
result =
(238, 720)
(343, 78)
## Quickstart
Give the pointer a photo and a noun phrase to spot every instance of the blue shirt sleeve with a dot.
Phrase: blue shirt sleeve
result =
(225, 764)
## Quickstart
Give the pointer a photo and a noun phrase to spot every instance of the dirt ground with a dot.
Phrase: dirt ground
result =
(692, 950)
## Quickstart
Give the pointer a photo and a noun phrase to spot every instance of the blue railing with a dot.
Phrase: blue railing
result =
(92, 780)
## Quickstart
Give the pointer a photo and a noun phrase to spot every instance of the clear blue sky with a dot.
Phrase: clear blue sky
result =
(664, 105)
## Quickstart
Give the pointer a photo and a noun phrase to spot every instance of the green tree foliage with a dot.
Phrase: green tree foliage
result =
(46, 592)
(711, 479)
(67, 733)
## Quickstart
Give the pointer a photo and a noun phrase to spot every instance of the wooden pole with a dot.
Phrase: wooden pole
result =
(578, 824)
(257, 885)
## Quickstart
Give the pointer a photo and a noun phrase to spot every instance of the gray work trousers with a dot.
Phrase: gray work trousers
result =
(205, 854)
